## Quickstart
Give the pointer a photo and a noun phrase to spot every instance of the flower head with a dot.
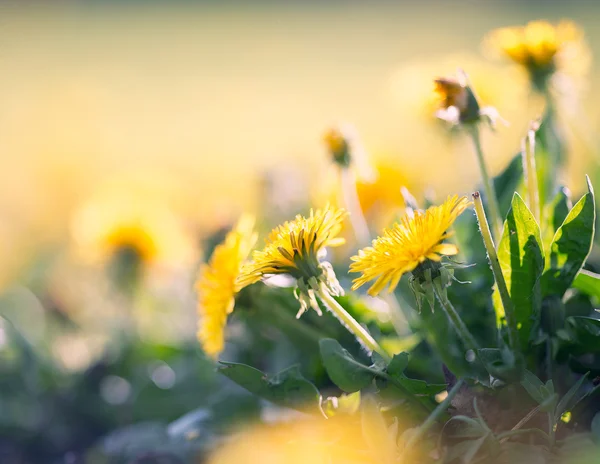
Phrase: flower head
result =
(295, 248)
(338, 146)
(407, 245)
(216, 284)
(458, 103)
(128, 224)
(541, 48)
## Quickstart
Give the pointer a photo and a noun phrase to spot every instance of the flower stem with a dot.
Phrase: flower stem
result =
(433, 417)
(460, 327)
(492, 200)
(351, 324)
(352, 204)
(533, 192)
(509, 310)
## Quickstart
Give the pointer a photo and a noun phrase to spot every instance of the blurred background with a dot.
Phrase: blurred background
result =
(150, 126)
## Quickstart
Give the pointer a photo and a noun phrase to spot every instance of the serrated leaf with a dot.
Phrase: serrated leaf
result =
(588, 282)
(570, 246)
(347, 373)
(507, 182)
(287, 388)
(522, 261)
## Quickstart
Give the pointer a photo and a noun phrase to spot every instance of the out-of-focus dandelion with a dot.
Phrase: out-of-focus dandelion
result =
(416, 244)
(542, 49)
(347, 153)
(216, 284)
(130, 232)
(343, 439)
(296, 248)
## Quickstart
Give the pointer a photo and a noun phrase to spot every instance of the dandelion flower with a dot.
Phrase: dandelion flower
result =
(542, 48)
(458, 103)
(295, 248)
(407, 245)
(216, 284)
(127, 222)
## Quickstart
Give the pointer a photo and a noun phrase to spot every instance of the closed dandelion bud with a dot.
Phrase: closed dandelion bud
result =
(338, 146)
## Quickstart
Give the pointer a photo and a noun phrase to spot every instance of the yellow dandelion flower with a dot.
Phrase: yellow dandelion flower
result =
(407, 244)
(541, 47)
(216, 284)
(294, 248)
(126, 220)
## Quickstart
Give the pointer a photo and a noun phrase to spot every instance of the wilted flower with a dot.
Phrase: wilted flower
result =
(542, 48)
(458, 103)
(407, 245)
(216, 284)
(295, 248)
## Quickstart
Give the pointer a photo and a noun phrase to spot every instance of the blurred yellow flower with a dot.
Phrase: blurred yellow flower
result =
(342, 439)
(216, 284)
(407, 244)
(123, 218)
(295, 248)
(542, 48)
(380, 194)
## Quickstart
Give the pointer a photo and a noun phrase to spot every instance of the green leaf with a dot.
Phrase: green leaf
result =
(501, 363)
(584, 332)
(522, 261)
(417, 387)
(347, 373)
(588, 282)
(287, 388)
(542, 393)
(507, 182)
(554, 215)
(570, 399)
(570, 246)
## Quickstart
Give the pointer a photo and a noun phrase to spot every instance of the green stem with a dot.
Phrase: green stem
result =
(352, 325)
(460, 327)
(533, 192)
(490, 194)
(509, 310)
(352, 204)
(551, 431)
(433, 417)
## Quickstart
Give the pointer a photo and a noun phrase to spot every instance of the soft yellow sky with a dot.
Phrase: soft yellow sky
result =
(201, 100)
